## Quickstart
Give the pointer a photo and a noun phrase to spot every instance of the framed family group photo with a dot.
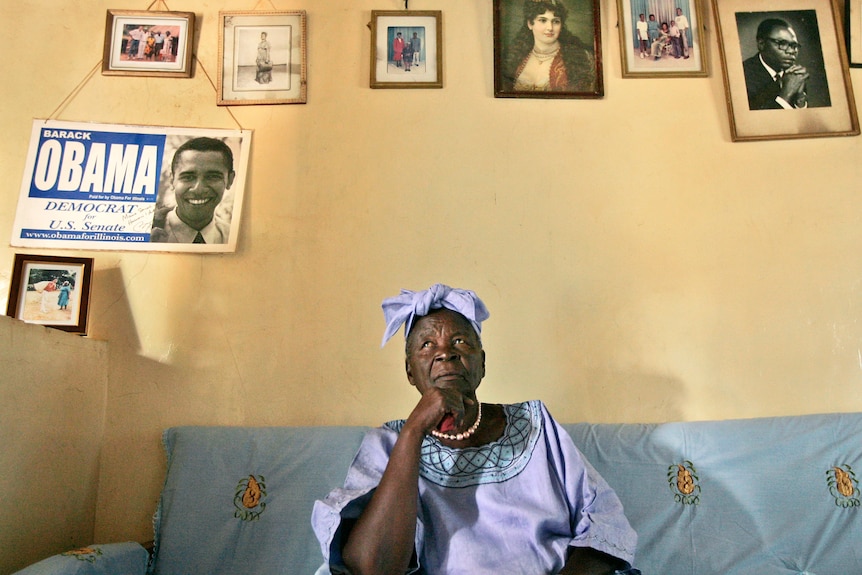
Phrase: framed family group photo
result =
(263, 58)
(547, 49)
(785, 70)
(52, 291)
(145, 43)
(406, 49)
(662, 38)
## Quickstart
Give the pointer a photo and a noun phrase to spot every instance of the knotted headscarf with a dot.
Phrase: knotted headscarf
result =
(406, 307)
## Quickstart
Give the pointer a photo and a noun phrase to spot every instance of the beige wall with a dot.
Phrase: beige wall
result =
(52, 419)
(637, 264)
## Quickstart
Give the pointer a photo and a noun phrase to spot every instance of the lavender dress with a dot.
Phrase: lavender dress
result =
(513, 506)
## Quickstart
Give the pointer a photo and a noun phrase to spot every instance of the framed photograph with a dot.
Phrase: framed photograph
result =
(146, 43)
(663, 38)
(547, 49)
(52, 291)
(406, 49)
(263, 58)
(853, 31)
(785, 70)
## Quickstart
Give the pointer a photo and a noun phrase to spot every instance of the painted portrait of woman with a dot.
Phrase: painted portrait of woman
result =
(537, 53)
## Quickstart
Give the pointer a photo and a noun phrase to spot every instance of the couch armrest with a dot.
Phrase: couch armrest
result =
(110, 559)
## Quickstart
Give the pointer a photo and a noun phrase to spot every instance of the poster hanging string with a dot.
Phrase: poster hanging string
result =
(75, 91)
(89, 76)
(215, 89)
(259, 2)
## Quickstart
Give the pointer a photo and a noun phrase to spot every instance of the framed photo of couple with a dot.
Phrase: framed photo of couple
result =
(785, 70)
(406, 49)
(547, 49)
(53, 291)
(662, 38)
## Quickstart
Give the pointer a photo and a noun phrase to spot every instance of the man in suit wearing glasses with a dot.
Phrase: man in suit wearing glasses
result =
(773, 79)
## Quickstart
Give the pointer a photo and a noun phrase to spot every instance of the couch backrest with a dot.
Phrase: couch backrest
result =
(237, 500)
(761, 496)
(765, 496)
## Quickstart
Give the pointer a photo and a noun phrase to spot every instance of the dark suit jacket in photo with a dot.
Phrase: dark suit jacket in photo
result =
(762, 89)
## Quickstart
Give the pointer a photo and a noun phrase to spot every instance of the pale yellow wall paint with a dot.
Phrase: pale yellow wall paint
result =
(637, 264)
(52, 419)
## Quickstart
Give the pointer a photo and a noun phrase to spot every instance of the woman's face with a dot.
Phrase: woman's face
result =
(443, 350)
(546, 29)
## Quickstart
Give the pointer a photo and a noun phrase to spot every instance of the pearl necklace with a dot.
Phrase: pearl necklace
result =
(460, 436)
(543, 57)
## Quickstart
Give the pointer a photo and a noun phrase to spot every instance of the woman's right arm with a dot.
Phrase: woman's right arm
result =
(383, 539)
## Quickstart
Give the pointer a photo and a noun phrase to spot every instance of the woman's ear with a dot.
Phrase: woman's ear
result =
(409, 372)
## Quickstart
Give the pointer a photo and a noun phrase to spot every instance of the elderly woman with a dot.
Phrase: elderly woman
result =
(545, 56)
(466, 487)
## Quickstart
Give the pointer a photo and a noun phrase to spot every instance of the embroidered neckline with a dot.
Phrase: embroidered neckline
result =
(495, 462)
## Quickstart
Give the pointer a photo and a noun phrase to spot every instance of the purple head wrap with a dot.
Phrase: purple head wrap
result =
(405, 308)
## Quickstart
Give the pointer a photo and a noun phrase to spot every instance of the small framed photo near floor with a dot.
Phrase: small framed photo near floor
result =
(853, 31)
(148, 43)
(262, 57)
(785, 70)
(406, 49)
(662, 39)
(52, 291)
(547, 49)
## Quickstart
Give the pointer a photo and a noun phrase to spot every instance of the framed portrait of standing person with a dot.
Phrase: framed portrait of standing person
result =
(406, 49)
(785, 70)
(547, 49)
(663, 38)
(262, 58)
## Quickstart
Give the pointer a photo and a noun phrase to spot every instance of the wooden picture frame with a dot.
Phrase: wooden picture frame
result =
(52, 291)
(148, 43)
(531, 64)
(812, 95)
(853, 32)
(262, 57)
(664, 39)
(416, 33)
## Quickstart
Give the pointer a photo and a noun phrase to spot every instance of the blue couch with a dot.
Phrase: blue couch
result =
(769, 496)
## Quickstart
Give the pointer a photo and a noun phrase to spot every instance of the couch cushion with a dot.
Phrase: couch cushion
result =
(114, 558)
(766, 496)
(238, 500)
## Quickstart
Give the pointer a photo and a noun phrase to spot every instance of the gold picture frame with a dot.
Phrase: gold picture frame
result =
(575, 68)
(396, 33)
(53, 291)
(148, 43)
(262, 57)
(807, 93)
(664, 39)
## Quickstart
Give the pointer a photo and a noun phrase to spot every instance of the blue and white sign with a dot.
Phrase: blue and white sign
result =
(141, 188)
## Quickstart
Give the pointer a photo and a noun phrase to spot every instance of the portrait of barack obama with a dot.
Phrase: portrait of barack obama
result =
(201, 172)
(783, 60)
